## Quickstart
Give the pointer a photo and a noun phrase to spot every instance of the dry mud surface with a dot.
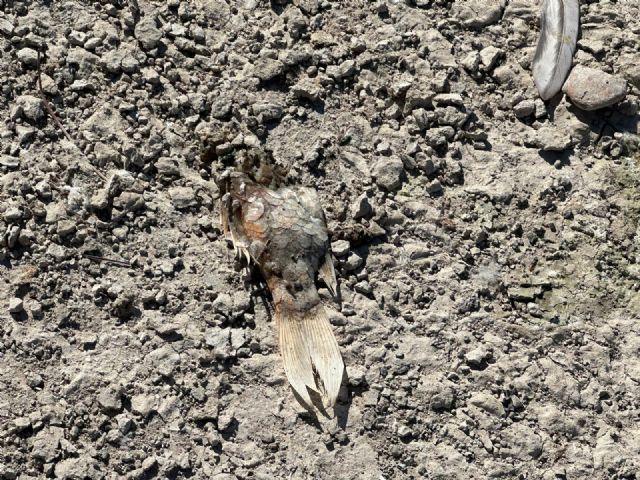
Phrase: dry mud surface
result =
(487, 243)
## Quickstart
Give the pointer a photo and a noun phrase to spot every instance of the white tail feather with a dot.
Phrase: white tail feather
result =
(310, 353)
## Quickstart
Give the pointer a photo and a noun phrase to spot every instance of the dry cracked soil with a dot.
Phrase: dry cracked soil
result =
(486, 242)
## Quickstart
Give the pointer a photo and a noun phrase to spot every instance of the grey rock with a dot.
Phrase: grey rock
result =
(12, 235)
(66, 227)
(129, 64)
(267, 112)
(143, 404)
(105, 154)
(147, 33)
(427, 164)
(167, 167)
(92, 43)
(443, 400)
(418, 96)
(476, 357)
(489, 57)
(22, 423)
(434, 187)
(9, 162)
(150, 76)
(46, 443)
(340, 248)
(219, 340)
(268, 68)
(80, 468)
(6, 27)
(82, 86)
(596, 47)
(471, 62)
(306, 89)
(524, 294)
(488, 403)
(100, 200)
(445, 99)
(129, 201)
(361, 207)
(221, 108)
(28, 57)
(223, 304)
(388, 172)
(43, 189)
(110, 399)
(607, 452)
(149, 463)
(77, 38)
(342, 71)
(16, 305)
(353, 262)
(36, 309)
(12, 214)
(541, 108)
(550, 139)
(383, 148)
(183, 197)
(30, 106)
(522, 442)
(524, 108)
(591, 89)
(478, 13)
(630, 69)
(84, 61)
(111, 61)
(439, 137)
(363, 287)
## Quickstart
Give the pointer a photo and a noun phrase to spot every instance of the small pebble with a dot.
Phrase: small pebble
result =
(15, 305)
(28, 57)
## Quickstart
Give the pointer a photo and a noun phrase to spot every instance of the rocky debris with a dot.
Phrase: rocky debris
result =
(475, 13)
(551, 139)
(30, 107)
(591, 89)
(340, 248)
(524, 108)
(46, 444)
(477, 357)
(485, 242)
(15, 305)
(78, 468)
(28, 57)
(183, 197)
(147, 33)
(388, 173)
(9, 162)
(109, 399)
(488, 403)
(268, 68)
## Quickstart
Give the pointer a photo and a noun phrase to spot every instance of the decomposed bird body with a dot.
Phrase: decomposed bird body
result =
(284, 232)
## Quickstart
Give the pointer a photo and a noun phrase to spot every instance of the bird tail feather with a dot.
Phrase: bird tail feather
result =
(312, 360)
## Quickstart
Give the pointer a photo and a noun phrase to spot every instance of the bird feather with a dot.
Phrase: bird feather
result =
(559, 26)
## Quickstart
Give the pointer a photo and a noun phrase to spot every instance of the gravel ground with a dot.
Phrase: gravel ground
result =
(487, 243)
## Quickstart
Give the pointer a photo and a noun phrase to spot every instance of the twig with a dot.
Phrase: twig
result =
(57, 121)
(98, 258)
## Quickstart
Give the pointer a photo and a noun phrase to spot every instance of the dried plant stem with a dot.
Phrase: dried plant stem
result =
(114, 261)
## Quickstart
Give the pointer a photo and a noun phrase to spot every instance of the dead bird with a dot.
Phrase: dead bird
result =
(283, 231)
